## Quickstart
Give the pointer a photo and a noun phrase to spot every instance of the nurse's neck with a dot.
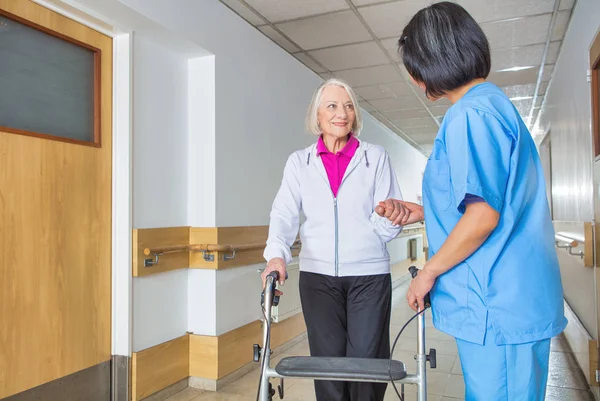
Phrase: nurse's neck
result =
(457, 94)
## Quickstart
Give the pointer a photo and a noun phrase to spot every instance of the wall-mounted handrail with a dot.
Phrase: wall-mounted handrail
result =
(569, 241)
(207, 250)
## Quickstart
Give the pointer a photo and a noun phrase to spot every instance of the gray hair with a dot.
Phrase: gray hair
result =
(312, 120)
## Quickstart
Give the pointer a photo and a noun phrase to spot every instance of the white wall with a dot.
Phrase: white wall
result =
(215, 132)
(160, 182)
(202, 156)
(408, 162)
(160, 138)
(202, 301)
(261, 98)
(567, 114)
(160, 308)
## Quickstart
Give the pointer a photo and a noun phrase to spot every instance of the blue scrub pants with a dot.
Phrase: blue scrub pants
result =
(504, 372)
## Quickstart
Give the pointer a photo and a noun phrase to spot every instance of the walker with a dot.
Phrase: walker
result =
(341, 369)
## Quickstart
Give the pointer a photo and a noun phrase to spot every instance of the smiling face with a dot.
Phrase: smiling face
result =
(336, 114)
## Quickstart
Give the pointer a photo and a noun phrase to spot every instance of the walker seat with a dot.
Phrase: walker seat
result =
(345, 369)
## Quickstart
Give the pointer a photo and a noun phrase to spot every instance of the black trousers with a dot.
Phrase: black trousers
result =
(347, 317)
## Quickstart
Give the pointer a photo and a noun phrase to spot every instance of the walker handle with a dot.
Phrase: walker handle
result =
(413, 272)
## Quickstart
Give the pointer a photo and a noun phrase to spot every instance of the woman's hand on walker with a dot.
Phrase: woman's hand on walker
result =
(419, 287)
(278, 265)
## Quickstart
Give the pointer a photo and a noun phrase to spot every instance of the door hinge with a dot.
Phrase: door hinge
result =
(597, 376)
(589, 76)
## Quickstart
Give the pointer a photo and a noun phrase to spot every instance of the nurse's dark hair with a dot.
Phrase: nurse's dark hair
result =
(444, 48)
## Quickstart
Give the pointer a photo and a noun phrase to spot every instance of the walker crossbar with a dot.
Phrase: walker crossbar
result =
(337, 368)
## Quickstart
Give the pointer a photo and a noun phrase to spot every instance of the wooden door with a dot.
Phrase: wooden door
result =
(55, 201)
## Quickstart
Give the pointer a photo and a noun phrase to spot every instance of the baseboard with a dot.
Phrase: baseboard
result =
(168, 391)
(579, 341)
(159, 367)
(214, 359)
(217, 384)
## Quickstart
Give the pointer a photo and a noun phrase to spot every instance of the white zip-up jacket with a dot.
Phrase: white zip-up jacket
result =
(341, 236)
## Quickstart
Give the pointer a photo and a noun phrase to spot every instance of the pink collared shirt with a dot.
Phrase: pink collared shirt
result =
(336, 164)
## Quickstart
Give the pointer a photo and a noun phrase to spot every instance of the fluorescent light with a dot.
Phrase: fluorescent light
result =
(521, 98)
(512, 69)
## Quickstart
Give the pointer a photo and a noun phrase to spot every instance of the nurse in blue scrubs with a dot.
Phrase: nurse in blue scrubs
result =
(493, 272)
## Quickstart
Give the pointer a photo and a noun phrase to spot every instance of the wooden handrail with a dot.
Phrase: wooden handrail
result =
(567, 240)
(166, 249)
(207, 248)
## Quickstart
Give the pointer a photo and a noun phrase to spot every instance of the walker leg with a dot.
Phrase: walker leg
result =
(421, 358)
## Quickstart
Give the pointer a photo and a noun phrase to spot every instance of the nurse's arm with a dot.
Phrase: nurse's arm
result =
(471, 231)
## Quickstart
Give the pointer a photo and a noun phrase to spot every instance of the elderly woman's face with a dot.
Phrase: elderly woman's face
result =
(336, 112)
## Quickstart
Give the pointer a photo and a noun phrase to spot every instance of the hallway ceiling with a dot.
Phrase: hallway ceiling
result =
(355, 40)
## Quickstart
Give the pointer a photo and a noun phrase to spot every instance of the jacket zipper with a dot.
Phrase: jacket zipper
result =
(335, 209)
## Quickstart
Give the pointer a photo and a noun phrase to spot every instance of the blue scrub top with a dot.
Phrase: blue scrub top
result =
(512, 281)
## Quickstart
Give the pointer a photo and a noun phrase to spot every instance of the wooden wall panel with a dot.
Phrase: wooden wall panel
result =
(157, 368)
(235, 347)
(204, 354)
(159, 237)
(170, 236)
(216, 357)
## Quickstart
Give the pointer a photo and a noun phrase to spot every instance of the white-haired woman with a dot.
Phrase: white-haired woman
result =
(345, 283)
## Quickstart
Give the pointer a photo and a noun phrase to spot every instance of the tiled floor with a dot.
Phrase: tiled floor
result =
(566, 382)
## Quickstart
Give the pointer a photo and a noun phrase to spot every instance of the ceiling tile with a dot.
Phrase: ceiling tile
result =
(366, 106)
(382, 91)
(407, 113)
(389, 19)
(561, 24)
(427, 148)
(410, 123)
(307, 61)
(423, 131)
(370, 75)
(525, 31)
(439, 110)
(523, 56)
(494, 10)
(422, 139)
(518, 91)
(523, 77)
(326, 30)
(351, 56)
(518, 32)
(374, 92)
(244, 12)
(281, 10)
(391, 45)
(278, 38)
(400, 103)
(566, 4)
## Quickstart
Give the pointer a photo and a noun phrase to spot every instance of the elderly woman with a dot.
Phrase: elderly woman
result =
(345, 284)
(494, 276)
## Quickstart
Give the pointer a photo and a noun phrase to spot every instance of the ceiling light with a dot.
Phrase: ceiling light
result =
(521, 98)
(512, 69)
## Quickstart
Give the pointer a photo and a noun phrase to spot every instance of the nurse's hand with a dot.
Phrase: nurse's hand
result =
(419, 287)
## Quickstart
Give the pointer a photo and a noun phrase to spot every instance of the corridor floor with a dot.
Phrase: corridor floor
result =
(566, 381)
